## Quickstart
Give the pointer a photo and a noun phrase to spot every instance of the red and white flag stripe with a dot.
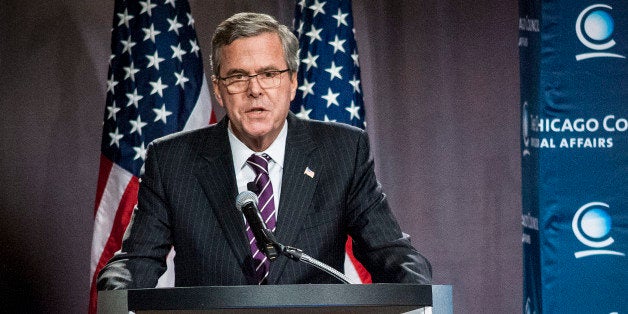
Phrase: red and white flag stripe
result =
(116, 196)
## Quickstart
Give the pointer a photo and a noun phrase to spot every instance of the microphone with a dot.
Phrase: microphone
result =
(246, 202)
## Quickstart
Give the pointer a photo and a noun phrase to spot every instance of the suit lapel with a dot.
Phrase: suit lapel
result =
(216, 177)
(297, 188)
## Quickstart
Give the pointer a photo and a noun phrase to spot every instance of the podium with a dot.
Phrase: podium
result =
(308, 298)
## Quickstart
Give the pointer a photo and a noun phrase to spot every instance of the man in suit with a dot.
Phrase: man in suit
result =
(322, 184)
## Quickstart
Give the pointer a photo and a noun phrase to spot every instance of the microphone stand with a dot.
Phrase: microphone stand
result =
(298, 255)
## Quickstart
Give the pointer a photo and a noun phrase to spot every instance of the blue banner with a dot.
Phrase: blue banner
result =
(574, 145)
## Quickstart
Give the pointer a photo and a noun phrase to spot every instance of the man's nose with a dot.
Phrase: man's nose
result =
(255, 90)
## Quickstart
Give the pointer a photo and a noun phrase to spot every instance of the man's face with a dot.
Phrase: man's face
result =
(257, 115)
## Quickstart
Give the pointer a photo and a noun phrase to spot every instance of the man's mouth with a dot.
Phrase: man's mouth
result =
(256, 110)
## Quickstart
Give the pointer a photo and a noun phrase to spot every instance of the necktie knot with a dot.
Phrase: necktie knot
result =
(259, 163)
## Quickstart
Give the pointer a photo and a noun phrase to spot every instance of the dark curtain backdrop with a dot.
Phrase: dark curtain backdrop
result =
(442, 94)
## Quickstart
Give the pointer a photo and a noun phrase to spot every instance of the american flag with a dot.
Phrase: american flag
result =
(329, 76)
(156, 86)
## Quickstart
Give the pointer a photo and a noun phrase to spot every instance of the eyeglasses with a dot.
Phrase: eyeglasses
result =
(239, 83)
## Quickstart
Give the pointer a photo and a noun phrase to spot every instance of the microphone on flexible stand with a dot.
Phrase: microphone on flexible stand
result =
(246, 202)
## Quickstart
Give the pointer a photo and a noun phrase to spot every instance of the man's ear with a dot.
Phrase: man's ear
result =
(216, 88)
(294, 84)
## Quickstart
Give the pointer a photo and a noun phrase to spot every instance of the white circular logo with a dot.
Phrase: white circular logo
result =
(594, 28)
(598, 27)
(591, 224)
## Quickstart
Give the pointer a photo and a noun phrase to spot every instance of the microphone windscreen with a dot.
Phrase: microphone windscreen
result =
(244, 198)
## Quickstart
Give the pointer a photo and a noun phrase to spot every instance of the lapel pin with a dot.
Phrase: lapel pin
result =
(308, 172)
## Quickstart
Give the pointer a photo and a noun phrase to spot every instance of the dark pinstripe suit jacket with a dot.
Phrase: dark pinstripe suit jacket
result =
(187, 199)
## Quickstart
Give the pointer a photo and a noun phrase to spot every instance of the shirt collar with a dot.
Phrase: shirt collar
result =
(241, 152)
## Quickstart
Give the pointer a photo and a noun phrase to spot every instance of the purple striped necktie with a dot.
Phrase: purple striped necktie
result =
(266, 205)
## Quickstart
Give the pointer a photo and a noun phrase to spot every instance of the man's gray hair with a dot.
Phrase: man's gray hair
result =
(243, 25)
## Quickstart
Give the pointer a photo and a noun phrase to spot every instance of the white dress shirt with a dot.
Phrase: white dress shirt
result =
(245, 174)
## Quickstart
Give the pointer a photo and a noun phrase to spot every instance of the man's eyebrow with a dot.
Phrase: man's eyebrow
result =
(235, 71)
(268, 68)
(260, 70)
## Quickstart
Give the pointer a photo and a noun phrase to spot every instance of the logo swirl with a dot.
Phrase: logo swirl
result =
(592, 225)
(594, 28)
